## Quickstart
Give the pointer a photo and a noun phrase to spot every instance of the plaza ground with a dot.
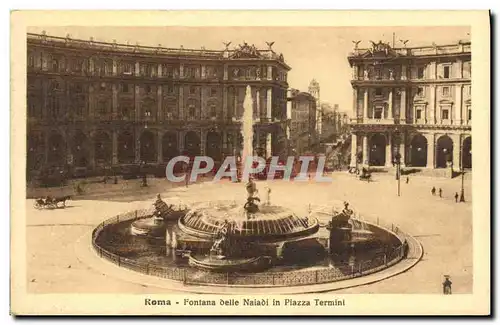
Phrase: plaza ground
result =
(443, 227)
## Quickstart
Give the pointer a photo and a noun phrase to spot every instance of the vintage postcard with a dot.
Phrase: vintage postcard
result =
(250, 163)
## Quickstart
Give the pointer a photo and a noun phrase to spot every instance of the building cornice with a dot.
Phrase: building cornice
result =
(243, 53)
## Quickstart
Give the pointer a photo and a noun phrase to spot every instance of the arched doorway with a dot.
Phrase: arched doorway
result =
(213, 145)
(467, 153)
(169, 146)
(103, 148)
(126, 147)
(444, 151)
(192, 144)
(80, 149)
(148, 147)
(418, 151)
(56, 149)
(377, 150)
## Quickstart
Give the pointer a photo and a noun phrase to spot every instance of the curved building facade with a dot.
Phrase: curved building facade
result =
(94, 105)
(415, 102)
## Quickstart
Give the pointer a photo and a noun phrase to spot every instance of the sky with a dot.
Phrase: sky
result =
(312, 52)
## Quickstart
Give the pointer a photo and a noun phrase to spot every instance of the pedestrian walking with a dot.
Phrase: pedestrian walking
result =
(447, 285)
(433, 191)
(440, 192)
(456, 197)
(407, 180)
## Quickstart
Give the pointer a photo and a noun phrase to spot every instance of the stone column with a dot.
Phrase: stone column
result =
(402, 107)
(430, 150)
(203, 108)
(92, 149)
(203, 71)
(45, 64)
(180, 140)
(389, 111)
(159, 101)
(181, 103)
(203, 141)
(114, 101)
(433, 70)
(402, 148)
(458, 105)
(46, 149)
(224, 103)
(115, 67)
(457, 149)
(354, 72)
(114, 155)
(269, 72)
(224, 141)
(257, 102)
(137, 103)
(388, 150)
(459, 70)
(225, 72)
(269, 145)
(365, 104)
(366, 158)
(432, 105)
(355, 102)
(160, 70)
(269, 103)
(159, 146)
(403, 72)
(137, 71)
(235, 143)
(91, 66)
(90, 101)
(354, 149)
(137, 137)
(181, 70)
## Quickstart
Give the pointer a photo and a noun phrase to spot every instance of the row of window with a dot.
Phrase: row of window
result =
(378, 72)
(445, 91)
(104, 67)
(127, 88)
(125, 112)
(419, 111)
(445, 113)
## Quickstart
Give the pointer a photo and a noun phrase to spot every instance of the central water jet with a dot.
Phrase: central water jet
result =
(247, 126)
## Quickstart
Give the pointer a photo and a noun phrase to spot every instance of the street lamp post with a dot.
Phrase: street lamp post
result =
(462, 195)
(397, 162)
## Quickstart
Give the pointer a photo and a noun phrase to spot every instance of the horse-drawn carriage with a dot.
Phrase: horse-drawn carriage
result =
(363, 174)
(51, 202)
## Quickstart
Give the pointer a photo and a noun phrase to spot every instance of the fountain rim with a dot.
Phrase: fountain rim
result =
(312, 228)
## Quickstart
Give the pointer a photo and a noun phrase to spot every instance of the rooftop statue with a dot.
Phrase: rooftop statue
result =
(246, 50)
(380, 47)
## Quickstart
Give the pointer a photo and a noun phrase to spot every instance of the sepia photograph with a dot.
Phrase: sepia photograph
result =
(201, 166)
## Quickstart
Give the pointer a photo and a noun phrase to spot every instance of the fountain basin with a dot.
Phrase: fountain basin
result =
(152, 227)
(270, 224)
(213, 264)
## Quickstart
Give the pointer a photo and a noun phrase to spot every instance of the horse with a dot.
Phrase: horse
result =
(367, 177)
(39, 203)
(62, 199)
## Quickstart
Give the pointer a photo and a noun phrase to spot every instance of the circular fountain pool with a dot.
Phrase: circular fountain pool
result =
(273, 247)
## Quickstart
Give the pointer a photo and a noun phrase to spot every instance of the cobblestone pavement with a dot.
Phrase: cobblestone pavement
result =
(442, 226)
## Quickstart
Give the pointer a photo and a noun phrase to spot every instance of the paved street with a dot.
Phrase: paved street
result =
(442, 226)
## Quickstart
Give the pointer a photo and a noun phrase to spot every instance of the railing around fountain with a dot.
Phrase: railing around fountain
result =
(265, 279)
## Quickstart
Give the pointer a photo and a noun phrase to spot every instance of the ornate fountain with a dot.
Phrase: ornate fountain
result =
(226, 236)
(154, 224)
